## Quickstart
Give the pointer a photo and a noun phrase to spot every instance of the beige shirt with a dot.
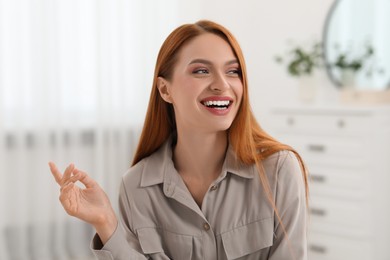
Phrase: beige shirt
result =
(161, 220)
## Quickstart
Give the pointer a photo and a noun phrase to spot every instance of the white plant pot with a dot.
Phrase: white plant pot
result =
(307, 89)
(348, 78)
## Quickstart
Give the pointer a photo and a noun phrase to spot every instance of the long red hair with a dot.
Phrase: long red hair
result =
(250, 142)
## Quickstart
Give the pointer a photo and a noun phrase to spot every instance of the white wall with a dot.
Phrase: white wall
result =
(263, 28)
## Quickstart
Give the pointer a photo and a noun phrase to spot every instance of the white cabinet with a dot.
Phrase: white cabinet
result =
(347, 152)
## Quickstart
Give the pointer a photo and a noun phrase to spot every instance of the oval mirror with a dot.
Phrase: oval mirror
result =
(356, 43)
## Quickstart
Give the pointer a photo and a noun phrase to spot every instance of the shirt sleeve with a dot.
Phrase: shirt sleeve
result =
(123, 244)
(290, 240)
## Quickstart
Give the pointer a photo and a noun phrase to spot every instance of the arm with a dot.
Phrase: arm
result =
(123, 244)
(113, 240)
(291, 204)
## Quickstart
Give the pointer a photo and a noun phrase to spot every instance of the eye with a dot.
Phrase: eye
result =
(234, 71)
(200, 71)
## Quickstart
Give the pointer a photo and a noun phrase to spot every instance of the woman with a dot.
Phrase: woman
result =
(206, 182)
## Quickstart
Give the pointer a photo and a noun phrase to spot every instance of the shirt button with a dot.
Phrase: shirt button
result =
(214, 187)
(206, 226)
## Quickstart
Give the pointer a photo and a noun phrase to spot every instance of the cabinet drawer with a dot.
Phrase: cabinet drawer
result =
(326, 148)
(326, 247)
(338, 215)
(337, 182)
(321, 123)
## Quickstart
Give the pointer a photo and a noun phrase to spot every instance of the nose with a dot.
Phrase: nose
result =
(220, 83)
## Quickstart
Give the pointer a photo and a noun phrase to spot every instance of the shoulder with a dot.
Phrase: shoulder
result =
(132, 189)
(134, 174)
(147, 172)
(284, 168)
(282, 161)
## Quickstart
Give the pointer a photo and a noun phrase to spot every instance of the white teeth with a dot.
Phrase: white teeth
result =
(220, 103)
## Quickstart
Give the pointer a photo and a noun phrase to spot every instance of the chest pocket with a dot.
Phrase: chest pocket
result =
(160, 242)
(248, 239)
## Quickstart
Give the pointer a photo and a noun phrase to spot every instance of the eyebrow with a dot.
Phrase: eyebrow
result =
(234, 61)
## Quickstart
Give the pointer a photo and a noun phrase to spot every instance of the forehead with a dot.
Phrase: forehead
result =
(208, 46)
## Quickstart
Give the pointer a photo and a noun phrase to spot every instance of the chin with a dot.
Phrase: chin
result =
(223, 127)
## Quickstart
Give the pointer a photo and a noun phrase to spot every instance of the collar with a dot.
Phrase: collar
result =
(159, 167)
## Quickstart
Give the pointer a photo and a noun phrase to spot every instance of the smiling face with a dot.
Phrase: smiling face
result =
(206, 87)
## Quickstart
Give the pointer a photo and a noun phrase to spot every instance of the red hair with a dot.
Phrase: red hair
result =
(250, 142)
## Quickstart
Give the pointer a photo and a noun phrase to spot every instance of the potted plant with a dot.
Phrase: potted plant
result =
(349, 64)
(302, 62)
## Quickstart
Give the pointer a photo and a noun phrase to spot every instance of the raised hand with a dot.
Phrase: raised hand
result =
(90, 204)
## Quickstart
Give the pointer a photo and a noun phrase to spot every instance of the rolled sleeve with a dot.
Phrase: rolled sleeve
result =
(117, 247)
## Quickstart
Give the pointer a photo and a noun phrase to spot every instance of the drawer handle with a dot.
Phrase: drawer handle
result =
(341, 123)
(318, 212)
(316, 148)
(318, 178)
(318, 249)
(290, 121)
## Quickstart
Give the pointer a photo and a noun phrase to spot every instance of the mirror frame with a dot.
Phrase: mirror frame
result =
(335, 81)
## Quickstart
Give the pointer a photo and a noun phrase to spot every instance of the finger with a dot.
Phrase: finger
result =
(55, 172)
(72, 179)
(67, 173)
(84, 178)
(66, 188)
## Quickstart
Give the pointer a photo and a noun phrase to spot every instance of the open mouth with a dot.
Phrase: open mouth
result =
(217, 104)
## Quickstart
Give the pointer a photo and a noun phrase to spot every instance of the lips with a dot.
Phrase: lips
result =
(217, 105)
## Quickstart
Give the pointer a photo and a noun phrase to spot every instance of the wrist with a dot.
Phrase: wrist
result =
(106, 226)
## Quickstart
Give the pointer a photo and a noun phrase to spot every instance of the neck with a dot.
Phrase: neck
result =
(200, 156)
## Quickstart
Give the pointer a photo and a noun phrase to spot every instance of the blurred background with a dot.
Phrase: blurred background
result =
(75, 78)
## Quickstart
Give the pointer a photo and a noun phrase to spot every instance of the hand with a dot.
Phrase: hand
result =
(90, 204)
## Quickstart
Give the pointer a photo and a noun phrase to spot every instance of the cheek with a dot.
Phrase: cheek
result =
(187, 88)
(184, 92)
(238, 90)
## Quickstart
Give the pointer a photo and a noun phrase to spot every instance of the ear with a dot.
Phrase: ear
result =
(163, 88)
